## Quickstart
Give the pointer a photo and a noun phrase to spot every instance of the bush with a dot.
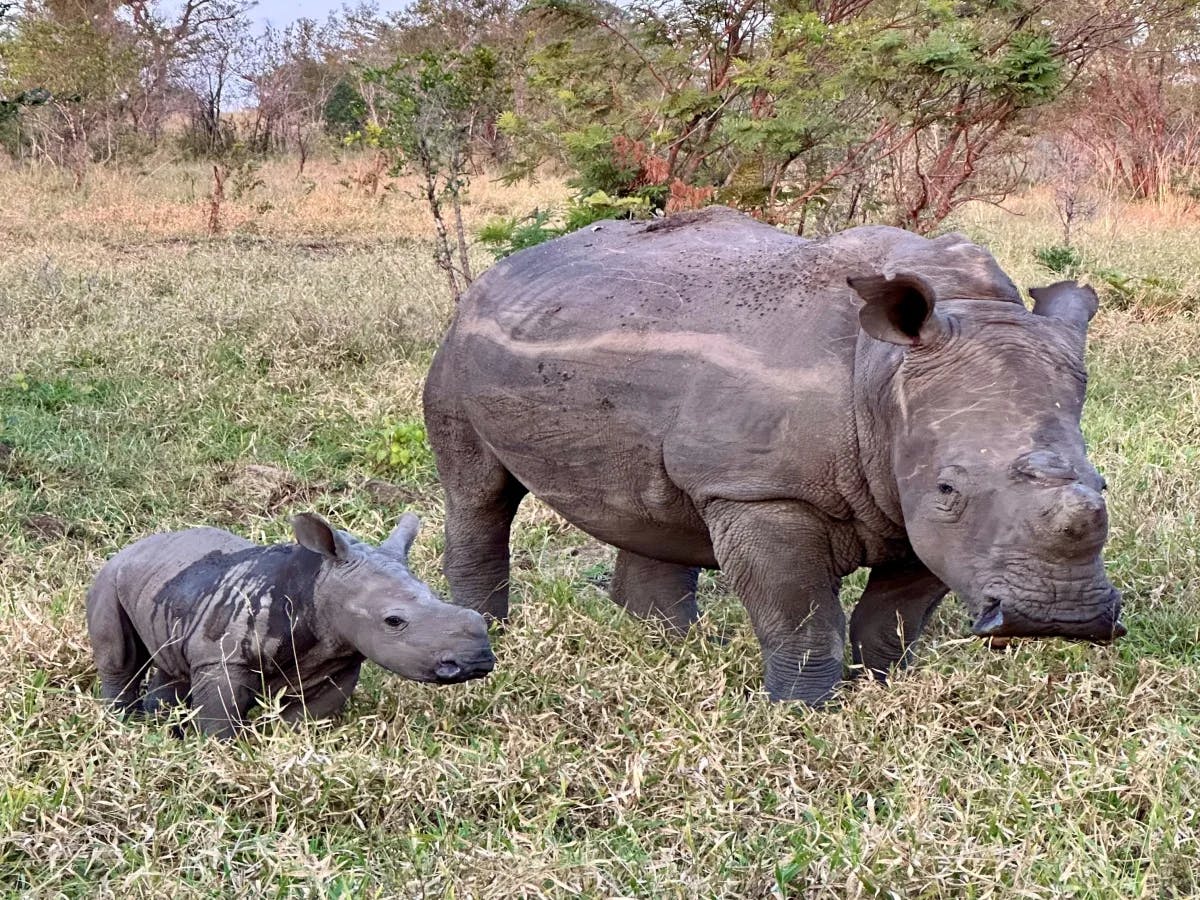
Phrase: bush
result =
(1061, 259)
(402, 450)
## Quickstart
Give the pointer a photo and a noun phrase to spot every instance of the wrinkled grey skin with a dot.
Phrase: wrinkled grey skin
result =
(225, 621)
(707, 391)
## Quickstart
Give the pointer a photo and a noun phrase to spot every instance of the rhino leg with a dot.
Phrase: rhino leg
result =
(777, 556)
(324, 699)
(889, 618)
(164, 692)
(121, 656)
(222, 695)
(654, 590)
(481, 501)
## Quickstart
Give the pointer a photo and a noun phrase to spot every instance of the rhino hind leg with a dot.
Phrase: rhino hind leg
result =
(120, 654)
(891, 614)
(777, 556)
(482, 498)
(654, 590)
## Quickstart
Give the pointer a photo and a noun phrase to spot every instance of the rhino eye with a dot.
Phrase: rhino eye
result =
(945, 488)
(394, 622)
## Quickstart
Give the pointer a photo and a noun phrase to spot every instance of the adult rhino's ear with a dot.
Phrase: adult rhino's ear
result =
(315, 534)
(1067, 300)
(400, 541)
(899, 310)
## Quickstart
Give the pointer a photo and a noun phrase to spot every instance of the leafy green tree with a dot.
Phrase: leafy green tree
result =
(814, 113)
(69, 73)
(430, 109)
(344, 112)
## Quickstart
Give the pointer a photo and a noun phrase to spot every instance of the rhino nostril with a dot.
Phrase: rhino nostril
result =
(448, 668)
(991, 620)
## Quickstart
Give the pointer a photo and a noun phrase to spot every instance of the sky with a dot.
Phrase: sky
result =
(281, 12)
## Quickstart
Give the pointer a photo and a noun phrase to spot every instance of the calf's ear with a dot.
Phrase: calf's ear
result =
(898, 310)
(315, 534)
(400, 541)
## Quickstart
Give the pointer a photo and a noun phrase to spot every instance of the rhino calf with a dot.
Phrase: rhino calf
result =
(224, 621)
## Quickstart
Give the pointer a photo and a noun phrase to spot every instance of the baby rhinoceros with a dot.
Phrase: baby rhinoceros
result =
(223, 621)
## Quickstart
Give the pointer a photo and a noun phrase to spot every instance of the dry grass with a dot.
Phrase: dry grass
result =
(152, 377)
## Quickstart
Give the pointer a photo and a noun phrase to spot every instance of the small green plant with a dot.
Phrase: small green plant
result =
(1120, 282)
(1060, 259)
(402, 449)
(506, 236)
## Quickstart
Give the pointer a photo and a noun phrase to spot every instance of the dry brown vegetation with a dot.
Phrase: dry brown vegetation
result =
(152, 377)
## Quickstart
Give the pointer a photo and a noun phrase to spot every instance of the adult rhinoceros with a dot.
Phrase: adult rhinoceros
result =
(707, 391)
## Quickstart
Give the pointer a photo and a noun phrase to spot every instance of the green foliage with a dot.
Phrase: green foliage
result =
(1060, 259)
(1030, 69)
(505, 236)
(430, 104)
(795, 114)
(402, 450)
(345, 111)
(74, 61)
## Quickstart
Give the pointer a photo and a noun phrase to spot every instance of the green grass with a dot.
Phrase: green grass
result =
(148, 384)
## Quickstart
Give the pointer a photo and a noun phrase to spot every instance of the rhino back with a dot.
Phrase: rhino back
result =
(627, 374)
(204, 596)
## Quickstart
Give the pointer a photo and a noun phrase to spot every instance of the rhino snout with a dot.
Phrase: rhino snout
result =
(453, 668)
(1004, 618)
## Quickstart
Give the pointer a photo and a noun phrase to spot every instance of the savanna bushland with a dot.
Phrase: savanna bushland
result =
(226, 258)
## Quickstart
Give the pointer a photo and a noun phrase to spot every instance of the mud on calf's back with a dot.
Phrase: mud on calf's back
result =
(205, 617)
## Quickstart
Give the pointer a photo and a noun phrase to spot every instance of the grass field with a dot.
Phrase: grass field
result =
(153, 377)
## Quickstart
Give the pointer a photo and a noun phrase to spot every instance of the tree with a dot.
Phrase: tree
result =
(74, 63)
(173, 40)
(344, 110)
(430, 109)
(1139, 110)
(209, 76)
(814, 113)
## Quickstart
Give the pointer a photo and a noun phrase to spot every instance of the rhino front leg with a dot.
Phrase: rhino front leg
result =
(778, 559)
(889, 618)
(659, 591)
(164, 692)
(324, 699)
(222, 695)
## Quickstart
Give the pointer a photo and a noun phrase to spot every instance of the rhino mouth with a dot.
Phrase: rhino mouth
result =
(457, 670)
(1003, 618)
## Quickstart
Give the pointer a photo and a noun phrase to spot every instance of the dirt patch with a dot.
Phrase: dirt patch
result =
(48, 528)
(387, 494)
(255, 489)
(691, 217)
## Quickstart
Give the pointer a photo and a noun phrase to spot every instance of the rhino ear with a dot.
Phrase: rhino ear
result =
(899, 310)
(315, 534)
(400, 541)
(1067, 300)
